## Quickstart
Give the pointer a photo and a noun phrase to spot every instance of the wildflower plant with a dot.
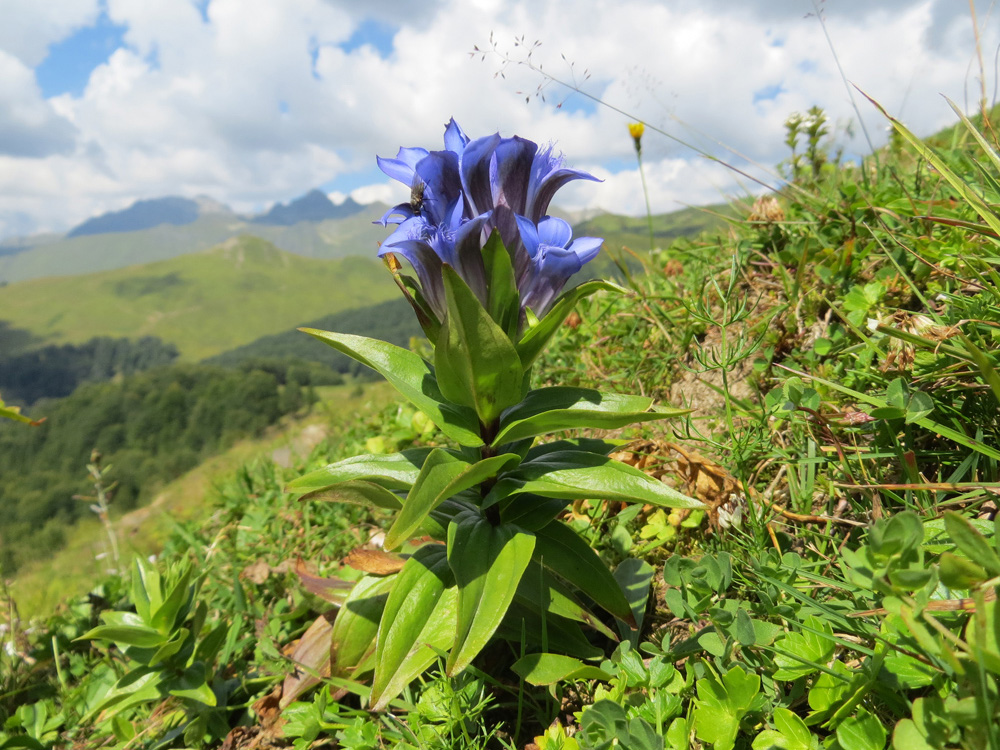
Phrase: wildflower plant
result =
(489, 555)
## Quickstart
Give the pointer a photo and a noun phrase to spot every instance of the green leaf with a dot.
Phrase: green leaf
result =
(801, 654)
(744, 630)
(907, 736)
(352, 639)
(861, 732)
(983, 633)
(537, 336)
(417, 622)
(165, 617)
(918, 406)
(412, 377)
(972, 544)
(960, 573)
(546, 410)
(476, 364)
(975, 200)
(544, 594)
(122, 635)
(397, 471)
(790, 733)
(488, 562)
(192, 685)
(565, 553)
(549, 669)
(635, 577)
(721, 705)
(573, 475)
(504, 302)
(442, 476)
(356, 492)
(14, 412)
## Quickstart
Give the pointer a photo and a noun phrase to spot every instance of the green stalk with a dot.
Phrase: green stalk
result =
(645, 192)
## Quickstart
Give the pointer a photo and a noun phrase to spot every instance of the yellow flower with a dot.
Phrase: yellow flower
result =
(636, 129)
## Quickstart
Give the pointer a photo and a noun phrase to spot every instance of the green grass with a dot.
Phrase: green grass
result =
(204, 303)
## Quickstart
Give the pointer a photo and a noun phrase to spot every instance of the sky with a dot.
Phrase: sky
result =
(250, 102)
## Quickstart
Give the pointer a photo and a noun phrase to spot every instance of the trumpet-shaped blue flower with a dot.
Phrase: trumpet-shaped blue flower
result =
(461, 194)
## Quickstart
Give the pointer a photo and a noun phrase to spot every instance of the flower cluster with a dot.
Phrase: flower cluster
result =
(460, 195)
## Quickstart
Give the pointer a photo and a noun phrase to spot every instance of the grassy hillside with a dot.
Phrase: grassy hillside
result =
(204, 303)
(68, 572)
(335, 238)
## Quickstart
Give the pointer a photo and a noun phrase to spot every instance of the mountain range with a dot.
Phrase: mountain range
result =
(162, 228)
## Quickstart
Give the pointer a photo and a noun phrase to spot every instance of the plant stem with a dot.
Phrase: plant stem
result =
(645, 192)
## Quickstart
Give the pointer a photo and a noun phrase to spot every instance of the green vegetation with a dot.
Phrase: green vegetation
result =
(56, 371)
(203, 303)
(839, 591)
(150, 428)
(390, 321)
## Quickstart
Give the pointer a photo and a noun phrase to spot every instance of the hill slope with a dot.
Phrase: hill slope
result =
(204, 303)
(331, 238)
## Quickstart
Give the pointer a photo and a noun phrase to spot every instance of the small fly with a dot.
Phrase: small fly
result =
(417, 197)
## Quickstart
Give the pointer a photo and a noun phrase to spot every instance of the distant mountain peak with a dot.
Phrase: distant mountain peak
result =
(313, 206)
(146, 214)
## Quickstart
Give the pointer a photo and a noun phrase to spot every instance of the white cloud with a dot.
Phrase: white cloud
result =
(258, 102)
(30, 26)
(29, 126)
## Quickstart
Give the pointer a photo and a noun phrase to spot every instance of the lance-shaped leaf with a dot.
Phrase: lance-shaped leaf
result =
(356, 492)
(543, 592)
(126, 629)
(412, 377)
(574, 475)
(537, 336)
(565, 553)
(548, 410)
(442, 476)
(548, 669)
(546, 632)
(531, 512)
(417, 623)
(396, 471)
(488, 562)
(504, 302)
(352, 639)
(476, 364)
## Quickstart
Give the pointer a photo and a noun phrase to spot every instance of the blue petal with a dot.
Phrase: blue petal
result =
(476, 174)
(401, 168)
(454, 138)
(547, 176)
(404, 211)
(586, 248)
(529, 235)
(553, 231)
(442, 182)
(510, 172)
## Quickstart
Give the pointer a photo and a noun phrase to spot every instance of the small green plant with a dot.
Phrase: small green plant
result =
(168, 649)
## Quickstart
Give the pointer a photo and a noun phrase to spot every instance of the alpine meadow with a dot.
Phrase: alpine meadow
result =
(477, 472)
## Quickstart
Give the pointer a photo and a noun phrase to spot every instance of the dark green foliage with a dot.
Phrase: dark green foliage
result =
(56, 371)
(150, 428)
(389, 321)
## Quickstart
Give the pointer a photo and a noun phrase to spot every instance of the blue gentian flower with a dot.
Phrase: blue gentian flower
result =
(461, 194)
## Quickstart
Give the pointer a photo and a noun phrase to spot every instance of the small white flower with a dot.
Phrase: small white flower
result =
(873, 324)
